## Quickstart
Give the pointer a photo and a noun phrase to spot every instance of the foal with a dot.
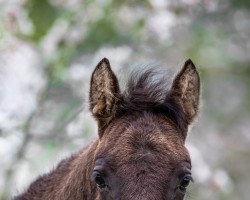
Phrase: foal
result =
(140, 152)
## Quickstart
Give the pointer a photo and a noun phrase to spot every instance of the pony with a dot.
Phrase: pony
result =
(140, 151)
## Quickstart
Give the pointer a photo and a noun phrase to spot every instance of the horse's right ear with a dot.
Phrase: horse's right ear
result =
(104, 94)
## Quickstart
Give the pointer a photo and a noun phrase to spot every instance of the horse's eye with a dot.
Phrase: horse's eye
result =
(185, 182)
(99, 179)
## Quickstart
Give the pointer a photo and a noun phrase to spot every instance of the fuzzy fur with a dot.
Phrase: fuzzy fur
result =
(140, 148)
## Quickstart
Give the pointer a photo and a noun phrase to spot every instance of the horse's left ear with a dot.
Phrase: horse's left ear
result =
(186, 90)
(104, 94)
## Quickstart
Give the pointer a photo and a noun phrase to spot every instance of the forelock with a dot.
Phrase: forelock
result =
(149, 90)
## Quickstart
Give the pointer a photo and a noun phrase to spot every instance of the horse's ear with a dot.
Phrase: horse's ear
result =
(186, 90)
(104, 94)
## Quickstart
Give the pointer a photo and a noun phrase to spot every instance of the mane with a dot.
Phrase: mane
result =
(149, 90)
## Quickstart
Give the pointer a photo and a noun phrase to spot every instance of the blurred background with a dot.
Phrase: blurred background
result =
(48, 49)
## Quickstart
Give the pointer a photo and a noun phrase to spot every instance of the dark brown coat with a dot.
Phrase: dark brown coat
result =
(140, 152)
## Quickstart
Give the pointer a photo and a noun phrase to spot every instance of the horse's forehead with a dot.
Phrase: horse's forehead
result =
(151, 131)
(144, 136)
(158, 145)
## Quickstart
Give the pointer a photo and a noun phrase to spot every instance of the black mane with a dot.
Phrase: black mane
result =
(148, 90)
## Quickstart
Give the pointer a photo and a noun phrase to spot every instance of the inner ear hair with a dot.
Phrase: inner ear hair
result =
(186, 90)
(104, 93)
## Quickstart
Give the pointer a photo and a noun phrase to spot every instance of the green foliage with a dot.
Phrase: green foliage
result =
(102, 32)
(42, 15)
(60, 62)
(241, 3)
